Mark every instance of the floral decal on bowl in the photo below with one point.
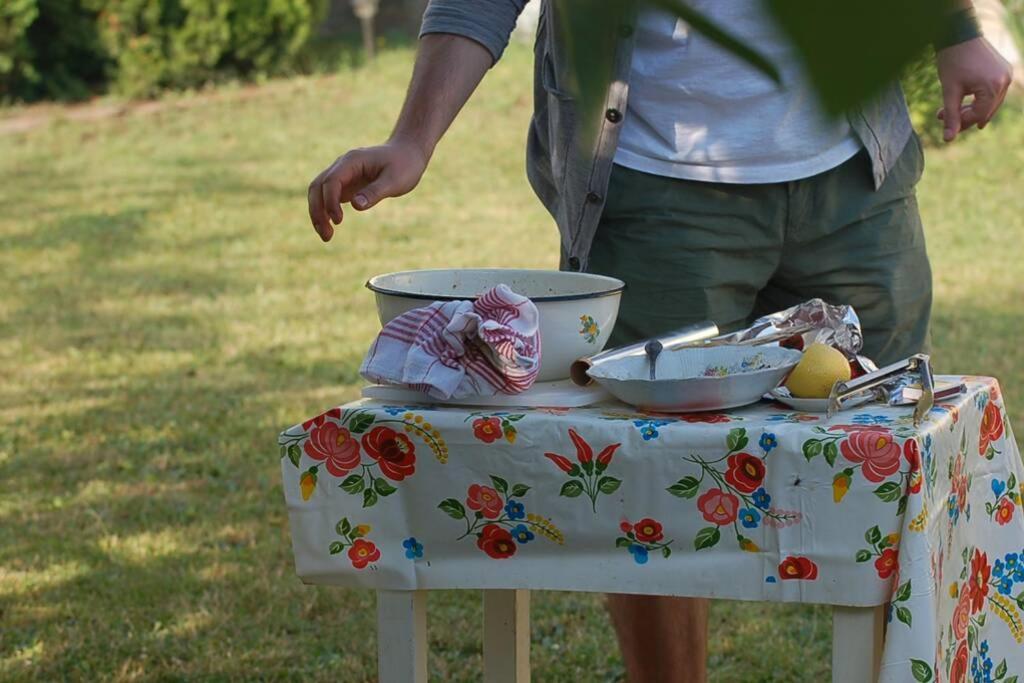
(748, 364)
(589, 329)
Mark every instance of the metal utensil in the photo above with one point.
(873, 382)
(653, 349)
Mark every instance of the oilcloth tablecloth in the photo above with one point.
(761, 503)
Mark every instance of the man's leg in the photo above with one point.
(850, 244)
(662, 639)
(687, 252)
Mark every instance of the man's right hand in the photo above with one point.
(363, 177)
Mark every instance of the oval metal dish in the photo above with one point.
(698, 378)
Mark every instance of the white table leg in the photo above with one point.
(402, 636)
(857, 634)
(506, 636)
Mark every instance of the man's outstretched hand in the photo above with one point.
(972, 68)
(363, 177)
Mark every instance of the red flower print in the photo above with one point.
(363, 552)
(1004, 513)
(718, 507)
(991, 427)
(625, 526)
(336, 446)
(798, 568)
(853, 429)
(487, 429)
(746, 472)
(648, 530)
(561, 461)
(977, 582)
(584, 453)
(887, 563)
(962, 615)
(485, 500)
(912, 452)
(710, 418)
(877, 452)
(320, 419)
(496, 542)
(958, 669)
(394, 452)
(605, 456)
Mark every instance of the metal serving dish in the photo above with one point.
(698, 378)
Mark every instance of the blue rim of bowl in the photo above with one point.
(450, 297)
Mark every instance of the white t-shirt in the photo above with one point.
(698, 112)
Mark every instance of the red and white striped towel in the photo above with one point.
(460, 348)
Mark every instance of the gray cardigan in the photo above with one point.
(571, 180)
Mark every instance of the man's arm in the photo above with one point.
(448, 69)
(970, 68)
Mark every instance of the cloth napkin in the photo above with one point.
(460, 348)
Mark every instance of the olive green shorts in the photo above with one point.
(691, 251)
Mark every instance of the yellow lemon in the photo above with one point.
(820, 368)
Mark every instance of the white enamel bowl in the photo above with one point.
(577, 310)
(692, 379)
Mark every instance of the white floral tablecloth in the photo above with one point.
(761, 503)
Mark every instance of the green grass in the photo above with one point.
(165, 309)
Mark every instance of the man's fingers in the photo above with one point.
(952, 96)
(370, 195)
(317, 215)
(331, 192)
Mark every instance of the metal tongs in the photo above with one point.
(873, 382)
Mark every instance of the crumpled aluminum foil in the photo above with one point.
(814, 320)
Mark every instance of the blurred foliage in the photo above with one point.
(851, 50)
(64, 49)
(924, 97)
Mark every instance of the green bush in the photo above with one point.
(924, 97)
(67, 48)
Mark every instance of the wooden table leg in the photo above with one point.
(857, 643)
(402, 636)
(506, 636)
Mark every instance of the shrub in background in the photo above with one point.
(65, 49)
(156, 44)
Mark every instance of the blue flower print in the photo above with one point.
(769, 579)
(514, 509)
(868, 419)
(413, 548)
(750, 518)
(1005, 585)
(984, 648)
(997, 568)
(762, 499)
(998, 487)
(394, 410)
(768, 442)
(649, 428)
(639, 553)
(522, 533)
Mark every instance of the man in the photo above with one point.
(714, 195)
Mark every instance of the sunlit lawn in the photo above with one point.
(165, 309)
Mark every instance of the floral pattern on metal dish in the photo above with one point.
(589, 329)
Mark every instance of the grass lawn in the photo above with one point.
(166, 309)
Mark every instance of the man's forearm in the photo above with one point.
(448, 69)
